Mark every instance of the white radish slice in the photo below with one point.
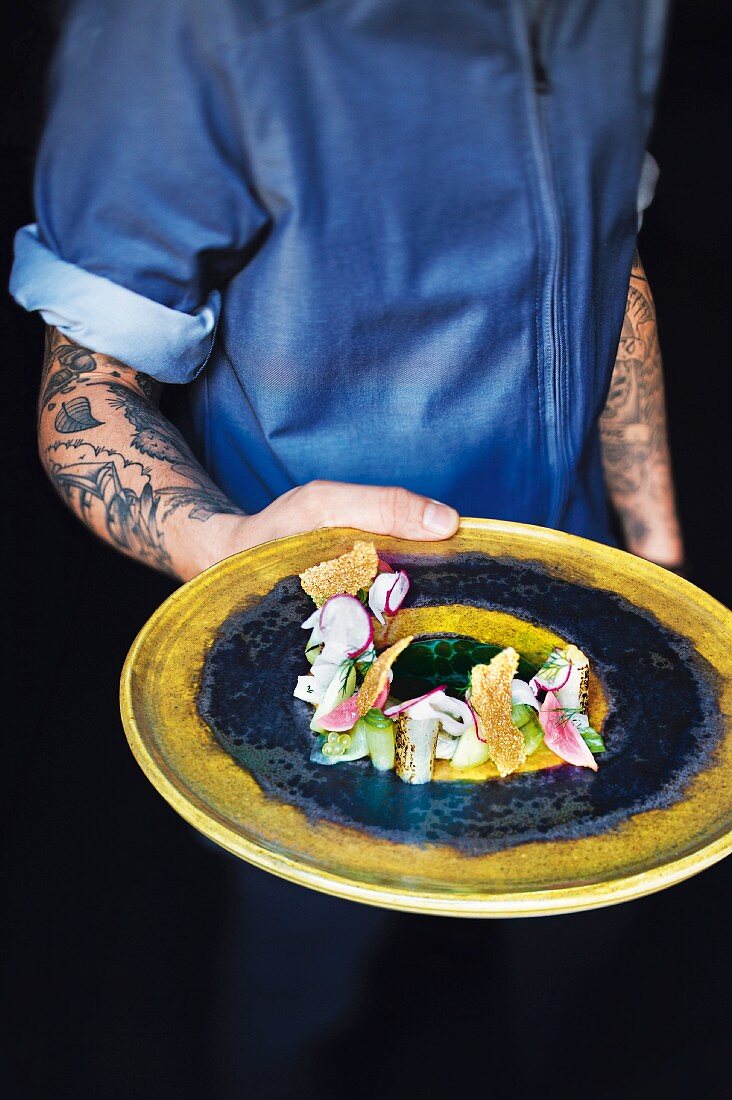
(411, 704)
(397, 593)
(553, 674)
(476, 723)
(387, 593)
(346, 624)
(522, 693)
(312, 620)
(455, 715)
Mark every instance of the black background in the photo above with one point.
(112, 942)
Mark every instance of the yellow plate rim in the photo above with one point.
(435, 903)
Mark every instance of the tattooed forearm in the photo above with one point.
(635, 452)
(112, 496)
(122, 467)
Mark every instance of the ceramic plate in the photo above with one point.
(208, 709)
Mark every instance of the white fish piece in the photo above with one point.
(415, 743)
(446, 746)
(309, 690)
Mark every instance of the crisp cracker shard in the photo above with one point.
(377, 676)
(490, 698)
(347, 574)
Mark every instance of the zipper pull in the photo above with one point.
(541, 76)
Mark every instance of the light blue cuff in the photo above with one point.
(647, 185)
(169, 345)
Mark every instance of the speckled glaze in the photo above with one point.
(206, 698)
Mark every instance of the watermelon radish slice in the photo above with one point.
(399, 708)
(341, 718)
(387, 593)
(562, 736)
(345, 715)
(553, 674)
(345, 625)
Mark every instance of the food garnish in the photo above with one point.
(348, 574)
(474, 702)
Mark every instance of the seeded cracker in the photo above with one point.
(490, 698)
(377, 676)
(346, 574)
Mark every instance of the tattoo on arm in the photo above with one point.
(636, 458)
(90, 477)
(111, 490)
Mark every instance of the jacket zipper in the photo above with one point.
(552, 350)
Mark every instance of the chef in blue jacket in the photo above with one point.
(388, 247)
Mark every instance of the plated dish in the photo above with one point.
(484, 713)
(208, 706)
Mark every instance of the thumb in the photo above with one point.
(384, 510)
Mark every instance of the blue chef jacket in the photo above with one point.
(383, 241)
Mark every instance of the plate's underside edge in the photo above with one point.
(437, 902)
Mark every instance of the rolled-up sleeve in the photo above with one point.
(143, 207)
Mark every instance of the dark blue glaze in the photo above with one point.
(662, 728)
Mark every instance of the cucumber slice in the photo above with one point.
(533, 732)
(521, 714)
(341, 687)
(470, 751)
(380, 740)
(314, 645)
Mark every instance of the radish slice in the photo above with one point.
(343, 717)
(346, 625)
(381, 699)
(553, 674)
(522, 693)
(397, 593)
(562, 736)
(387, 593)
(399, 708)
(455, 715)
(476, 723)
(312, 620)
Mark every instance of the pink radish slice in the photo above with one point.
(562, 737)
(399, 708)
(387, 593)
(381, 699)
(343, 717)
(346, 624)
(549, 682)
(396, 594)
(477, 723)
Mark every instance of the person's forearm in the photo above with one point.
(635, 452)
(122, 467)
(131, 478)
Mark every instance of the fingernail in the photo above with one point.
(438, 518)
